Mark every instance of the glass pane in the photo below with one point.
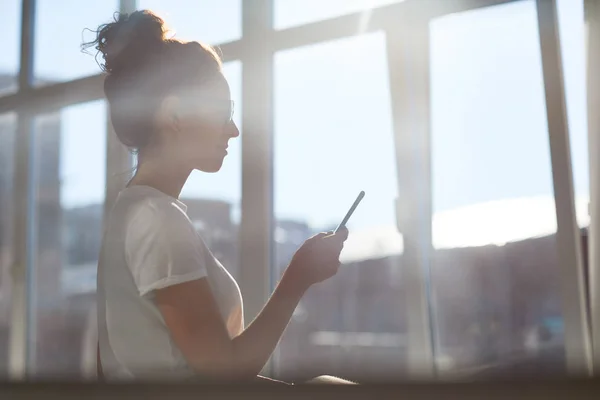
(353, 325)
(572, 36)
(214, 199)
(70, 153)
(8, 123)
(208, 21)
(290, 13)
(10, 32)
(495, 278)
(60, 29)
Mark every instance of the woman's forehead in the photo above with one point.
(216, 88)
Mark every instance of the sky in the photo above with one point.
(333, 127)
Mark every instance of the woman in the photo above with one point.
(166, 307)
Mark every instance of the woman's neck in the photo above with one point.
(163, 175)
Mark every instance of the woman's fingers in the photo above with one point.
(342, 233)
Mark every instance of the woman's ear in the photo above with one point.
(168, 114)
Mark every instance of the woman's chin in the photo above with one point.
(211, 167)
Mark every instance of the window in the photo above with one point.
(70, 153)
(8, 123)
(61, 27)
(213, 200)
(333, 138)
(208, 21)
(573, 47)
(10, 30)
(494, 286)
(289, 13)
(495, 278)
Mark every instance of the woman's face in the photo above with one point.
(204, 126)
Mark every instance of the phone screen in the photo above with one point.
(351, 210)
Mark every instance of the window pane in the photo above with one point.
(10, 32)
(290, 13)
(495, 278)
(60, 29)
(70, 153)
(353, 325)
(208, 21)
(572, 36)
(214, 199)
(8, 123)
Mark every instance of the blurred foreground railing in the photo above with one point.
(582, 389)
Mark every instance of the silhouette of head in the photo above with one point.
(166, 97)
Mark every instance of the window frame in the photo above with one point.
(592, 21)
(256, 49)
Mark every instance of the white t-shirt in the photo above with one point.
(150, 243)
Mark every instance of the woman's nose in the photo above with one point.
(232, 130)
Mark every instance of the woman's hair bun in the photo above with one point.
(129, 42)
(144, 66)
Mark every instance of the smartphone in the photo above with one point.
(350, 211)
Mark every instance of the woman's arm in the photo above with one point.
(258, 341)
(192, 316)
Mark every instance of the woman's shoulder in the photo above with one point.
(139, 207)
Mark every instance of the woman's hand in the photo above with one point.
(317, 259)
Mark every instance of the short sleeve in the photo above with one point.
(161, 246)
